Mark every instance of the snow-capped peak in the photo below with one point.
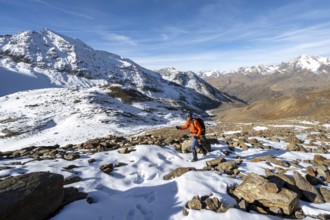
(312, 63)
(315, 64)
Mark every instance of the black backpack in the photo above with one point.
(201, 122)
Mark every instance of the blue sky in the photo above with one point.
(185, 34)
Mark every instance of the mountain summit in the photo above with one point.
(57, 90)
(65, 62)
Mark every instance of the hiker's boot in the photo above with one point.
(194, 157)
(204, 152)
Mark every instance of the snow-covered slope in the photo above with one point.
(313, 64)
(63, 115)
(65, 62)
(85, 93)
(191, 80)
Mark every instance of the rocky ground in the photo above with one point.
(279, 168)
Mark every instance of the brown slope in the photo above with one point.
(251, 88)
(307, 104)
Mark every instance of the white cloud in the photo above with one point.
(71, 12)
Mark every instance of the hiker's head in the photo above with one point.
(188, 114)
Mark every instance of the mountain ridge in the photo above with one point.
(315, 64)
(69, 62)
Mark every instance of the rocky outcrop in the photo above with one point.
(258, 191)
(37, 195)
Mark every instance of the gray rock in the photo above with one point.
(228, 167)
(71, 156)
(215, 162)
(287, 181)
(210, 204)
(107, 168)
(326, 194)
(309, 192)
(33, 195)
(72, 179)
(195, 204)
(256, 189)
(185, 212)
(224, 208)
(178, 172)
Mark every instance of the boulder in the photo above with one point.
(34, 195)
(256, 190)
(229, 167)
(71, 156)
(215, 162)
(178, 172)
(308, 191)
(319, 159)
(107, 168)
(195, 204)
(326, 194)
(295, 147)
(72, 179)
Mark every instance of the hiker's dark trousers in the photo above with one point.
(195, 144)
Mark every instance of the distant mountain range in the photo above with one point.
(299, 75)
(314, 64)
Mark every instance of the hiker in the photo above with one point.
(196, 131)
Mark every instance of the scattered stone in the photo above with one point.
(70, 167)
(309, 192)
(270, 159)
(228, 167)
(280, 170)
(215, 162)
(295, 147)
(120, 164)
(107, 168)
(72, 179)
(224, 208)
(294, 140)
(90, 200)
(185, 212)
(126, 150)
(178, 172)
(299, 214)
(254, 189)
(195, 204)
(92, 160)
(73, 156)
(216, 202)
(318, 159)
(326, 194)
(243, 205)
(210, 204)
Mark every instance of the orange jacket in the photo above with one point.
(195, 128)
